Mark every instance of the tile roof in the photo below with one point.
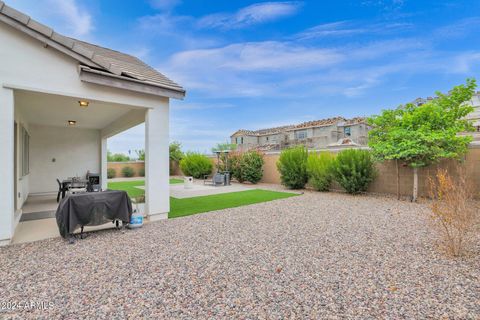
(96, 57)
(303, 125)
(319, 123)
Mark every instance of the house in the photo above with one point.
(318, 134)
(60, 100)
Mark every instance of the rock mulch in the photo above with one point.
(312, 256)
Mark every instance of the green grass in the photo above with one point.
(129, 187)
(188, 206)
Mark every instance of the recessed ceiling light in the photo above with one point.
(71, 122)
(83, 103)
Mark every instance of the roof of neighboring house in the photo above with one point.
(92, 58)
(319, 123)
(309, 124)
(262, 132)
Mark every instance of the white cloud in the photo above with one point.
(254, 14)
(257, 56)
(77, 20)
(347, 28)
(65, 16)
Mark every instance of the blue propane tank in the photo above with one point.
(136, 221)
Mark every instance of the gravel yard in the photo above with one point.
(312, 256)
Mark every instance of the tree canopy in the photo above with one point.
(176, 153)
(420, 135)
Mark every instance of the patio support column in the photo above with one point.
(103, 163)
(7, 198)
(157, 189)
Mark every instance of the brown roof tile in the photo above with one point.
(303, 125)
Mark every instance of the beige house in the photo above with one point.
(318, 134)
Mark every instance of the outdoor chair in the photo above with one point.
(216, 179)
(62, 189)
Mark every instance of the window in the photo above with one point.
(267, 138)
(299, 135)
(347, 131)
(25, 150)
(241, 140)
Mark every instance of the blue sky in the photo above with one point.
(248, 64)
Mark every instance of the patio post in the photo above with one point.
(7, 196)
(157, 189)
(104, 163)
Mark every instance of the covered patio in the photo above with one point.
(60, 100)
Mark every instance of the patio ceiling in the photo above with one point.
(56, 110)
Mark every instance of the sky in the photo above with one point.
(254, 64)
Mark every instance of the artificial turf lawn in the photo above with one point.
(129, 186)
(188, 206)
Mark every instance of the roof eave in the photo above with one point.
(111, 80)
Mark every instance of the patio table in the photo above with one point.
(92, 209)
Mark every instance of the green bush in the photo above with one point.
(320, 170)
(196, 165)
(252, 166)
(128, 172)
(354, 170)
(141, 172)
(247, 166)
(292, 166)
(111, 173)
(235, 164)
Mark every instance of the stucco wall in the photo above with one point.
(75, 152)
(118, 167)
(386, 180)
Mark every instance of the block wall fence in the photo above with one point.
(386, 179)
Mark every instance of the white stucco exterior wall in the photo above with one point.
(6, 164)
(75, 151)
(157, 188)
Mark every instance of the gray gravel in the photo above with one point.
(312, 256)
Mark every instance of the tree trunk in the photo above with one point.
(415, 184)
(398, 180)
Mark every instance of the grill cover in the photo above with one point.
(92, 209)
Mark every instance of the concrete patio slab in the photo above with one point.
(197, 190)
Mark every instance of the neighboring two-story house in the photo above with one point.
(318, 134)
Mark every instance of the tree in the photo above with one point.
(176, 153)
(117, 157)
(140, 154)
(421, 135)
(223, 157)
(224, 146)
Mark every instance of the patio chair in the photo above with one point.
(62, 189)
(216, 179)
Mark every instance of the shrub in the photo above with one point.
(128, 172)
(292, 166)
(320, 170)
(141, 172)
(111, 173)
(453, 210)
(354, 170)
(196, 165)
(235, 160)
(247, 166)
(252, 166)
